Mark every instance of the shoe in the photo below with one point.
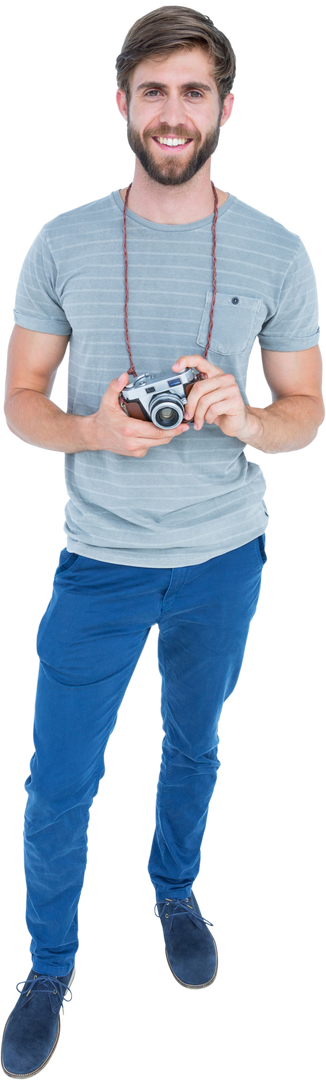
(191, 950)
(32, 1030)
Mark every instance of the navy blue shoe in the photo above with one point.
(33, 1027)
(190, 950)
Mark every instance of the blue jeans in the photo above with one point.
(89, 642)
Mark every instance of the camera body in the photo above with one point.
(159, 397)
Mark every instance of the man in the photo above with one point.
(176, 538)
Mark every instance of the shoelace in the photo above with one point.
(56, 985)
(185, 906)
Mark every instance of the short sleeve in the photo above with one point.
(37, 305)
(294, 324)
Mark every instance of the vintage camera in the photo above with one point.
(159, 397)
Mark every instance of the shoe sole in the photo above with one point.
(56, 1045)
(202, 987)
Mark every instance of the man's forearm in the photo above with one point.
(288, 424)
(37, 420)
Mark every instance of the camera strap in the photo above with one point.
(131, 370)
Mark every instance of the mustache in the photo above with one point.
(165, 134)
(178, 132)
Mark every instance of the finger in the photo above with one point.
(117, 386)
(144, 429)
(201, 395)
(166, 432)
(220, 401)
(195, 361)
(198, 394)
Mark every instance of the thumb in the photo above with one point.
(114, 389)
(117, 385)
(122, 380)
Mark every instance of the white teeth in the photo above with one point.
(172, 142)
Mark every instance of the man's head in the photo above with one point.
(174, 43)
(173, 98)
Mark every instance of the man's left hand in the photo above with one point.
(217, 400)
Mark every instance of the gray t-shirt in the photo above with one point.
(198, 496)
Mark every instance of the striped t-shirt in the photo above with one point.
(198, 496)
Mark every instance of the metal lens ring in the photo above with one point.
(166, 410)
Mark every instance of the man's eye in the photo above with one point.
(158, 92)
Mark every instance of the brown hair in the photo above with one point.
(173, 27)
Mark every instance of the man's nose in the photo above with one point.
(173, 112)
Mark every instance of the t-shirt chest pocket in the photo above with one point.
(235, 322)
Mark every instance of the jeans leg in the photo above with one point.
(201, 646)
(89, 642)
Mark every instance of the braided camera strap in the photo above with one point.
(131, 369)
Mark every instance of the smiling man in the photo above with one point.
(175, 274)
(172, 181)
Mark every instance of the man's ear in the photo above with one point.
(120, 104)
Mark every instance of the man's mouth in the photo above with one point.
(171, 143)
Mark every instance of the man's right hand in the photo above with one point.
(111, 429)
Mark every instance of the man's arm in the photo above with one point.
(33, 360)
(292, 421)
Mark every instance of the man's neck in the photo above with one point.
(141, 204)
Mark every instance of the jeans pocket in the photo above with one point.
(263, 549)
(67, 559)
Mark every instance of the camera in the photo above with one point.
(160, 397)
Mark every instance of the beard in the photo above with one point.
(172, 171)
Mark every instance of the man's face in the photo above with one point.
(174, 98)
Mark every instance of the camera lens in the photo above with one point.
(166, 414)
(167, 418)
(166, 411)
